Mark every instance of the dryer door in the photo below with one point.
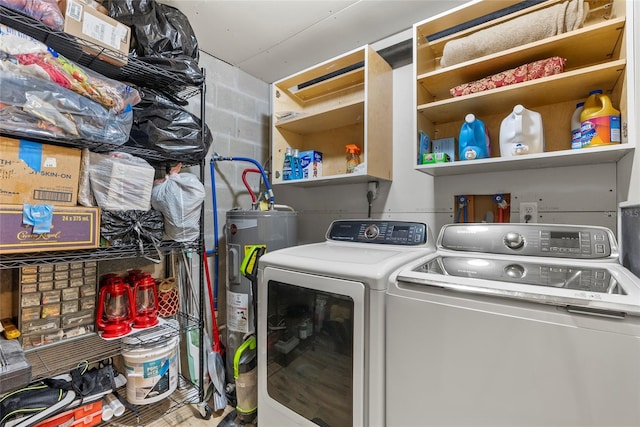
(311, 349)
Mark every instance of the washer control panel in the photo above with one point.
(548, 240)
(404, 233)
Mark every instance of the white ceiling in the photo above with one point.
(271, 39)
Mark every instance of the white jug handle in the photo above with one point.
(517, 111)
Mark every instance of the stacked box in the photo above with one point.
(57, 301)
(311, 163)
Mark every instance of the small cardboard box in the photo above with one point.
(71, 228)
(445, 145)
(311, 163)
(87, 23)
(431, 158)
(36, 173)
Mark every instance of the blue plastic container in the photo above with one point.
(474, 142)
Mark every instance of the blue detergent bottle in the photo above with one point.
(287, 165)
(474, 142)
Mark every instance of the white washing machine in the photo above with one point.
(321, 323)
(515, 325)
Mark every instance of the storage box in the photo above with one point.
(15, 373)
(97, 28)
(36, 173)
(71, 228)
(445, 145)
(431, 158)
(311, 163)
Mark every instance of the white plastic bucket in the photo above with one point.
(152, 371)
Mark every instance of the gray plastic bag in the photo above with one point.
(179, 197)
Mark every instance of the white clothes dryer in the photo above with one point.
(321, 323)
(515, 325)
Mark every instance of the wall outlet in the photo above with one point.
(528, 212)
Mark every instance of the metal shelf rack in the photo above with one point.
(54, 359)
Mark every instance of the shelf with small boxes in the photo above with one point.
(457, 74)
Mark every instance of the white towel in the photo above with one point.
(528, 28)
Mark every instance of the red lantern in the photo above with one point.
(115, 309)
(146, 302)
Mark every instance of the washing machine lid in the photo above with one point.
(372, 265)
(367, 251)
(595, 288)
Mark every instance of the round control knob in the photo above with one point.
(371, 232)
(514, 240)
(514, 271)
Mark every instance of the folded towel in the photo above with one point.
(523, 73)
(548, 22)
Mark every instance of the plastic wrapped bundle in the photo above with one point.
(45, 11)
(160, 35)
(24, 55)
(179, 197)
(161, 125)
(123, 228)
(121, 181)
(40, 108)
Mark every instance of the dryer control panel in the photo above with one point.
(404, 233)
(545, 240)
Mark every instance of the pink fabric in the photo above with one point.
(534, 70)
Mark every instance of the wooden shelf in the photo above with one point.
(564, 158)
(342, 101)
(341, 116)
(564, 87)
(602, 40)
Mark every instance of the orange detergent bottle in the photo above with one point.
(599, 121)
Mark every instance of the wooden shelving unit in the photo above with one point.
(345, 100)
(596, 58)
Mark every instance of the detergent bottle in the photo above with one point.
(521, 133)
(576, 133)
(474, 141)
(600, 122)
(353, 157)
(296, 166)
(286, 166)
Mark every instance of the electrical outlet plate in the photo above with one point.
(528, 212)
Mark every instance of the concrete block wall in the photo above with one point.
(237, 114)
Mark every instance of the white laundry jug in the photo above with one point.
(521, 132)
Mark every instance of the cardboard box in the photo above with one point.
(87, 23)
(311, 163)
(36, 173)
(445, 145)
(430, 158)
(71, 228)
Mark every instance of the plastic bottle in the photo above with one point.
(286, 166)
(521, 132)
(600, 122)
(353, 157)
(474, 141)
(296, 167)
(576, 134)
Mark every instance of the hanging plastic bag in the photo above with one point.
(179, 197)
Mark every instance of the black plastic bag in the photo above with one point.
(133, 227)
(161, 125)
(161, 35)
